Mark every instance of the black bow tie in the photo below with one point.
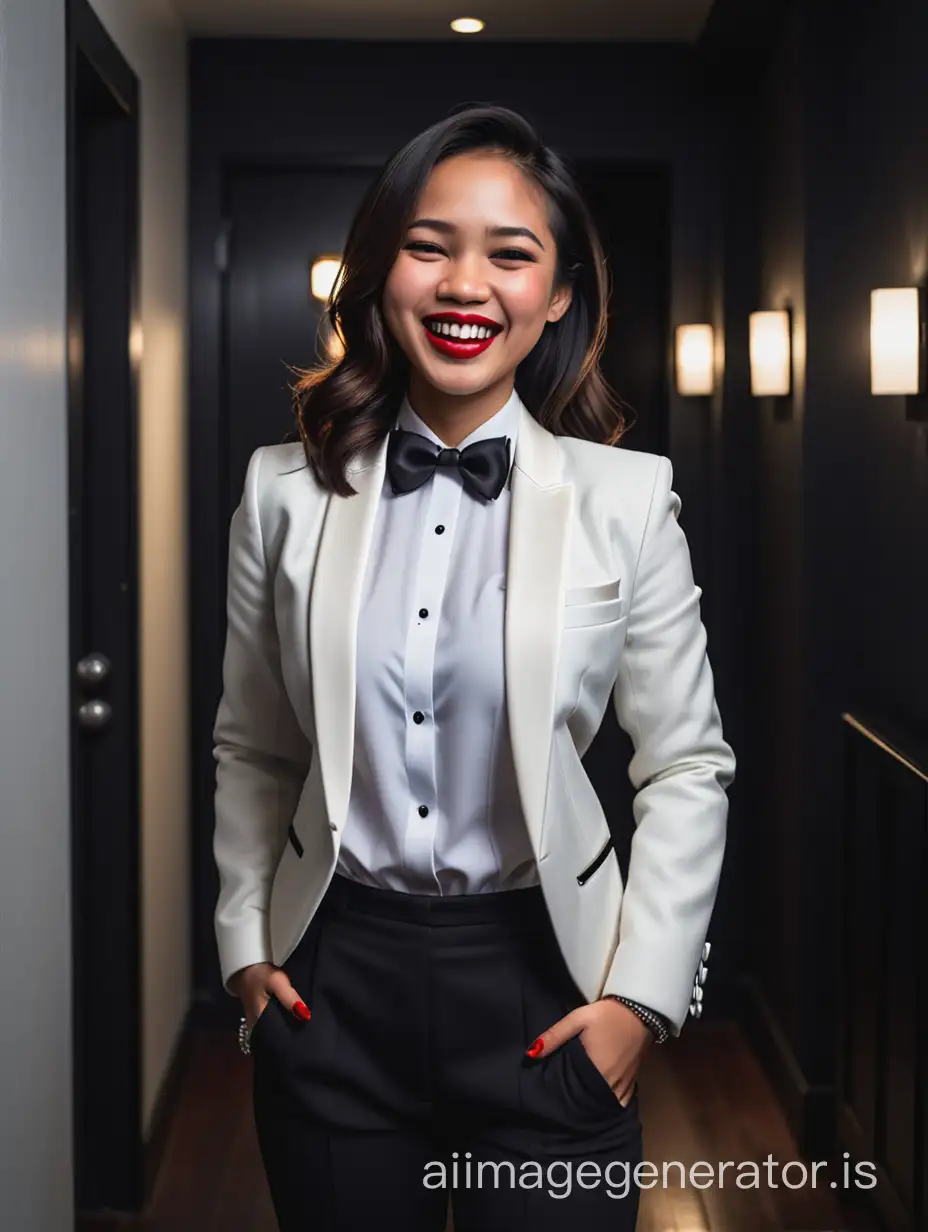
(412, 458)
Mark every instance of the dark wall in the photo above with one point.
(255, 101)
(839, 121)
(777, 929)
(867, 466)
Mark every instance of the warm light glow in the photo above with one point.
(323, 275)
(467, 25)
(895, 337)
(695, 360)
(771, 361)
(335, 346)
(136, 341)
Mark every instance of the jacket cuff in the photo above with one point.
(667, 979)
(241, 946)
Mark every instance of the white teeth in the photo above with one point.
(463, 332)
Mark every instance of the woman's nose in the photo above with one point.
(464, 281)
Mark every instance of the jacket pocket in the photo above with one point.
(600, 593)
(596, 862)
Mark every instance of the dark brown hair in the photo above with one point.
(347, 404)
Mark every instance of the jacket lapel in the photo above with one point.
(539, 520)
(540, 505)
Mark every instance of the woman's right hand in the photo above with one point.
(256, 984)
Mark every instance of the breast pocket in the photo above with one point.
(593, 605)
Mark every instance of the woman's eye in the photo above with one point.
(514, 254)
(423, 246)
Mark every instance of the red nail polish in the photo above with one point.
(301, 1011)
(536, 1048)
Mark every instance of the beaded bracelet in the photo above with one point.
(656, 1022)
(244, 1041)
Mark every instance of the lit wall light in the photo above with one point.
(771, 354)
(322, 276)
(467, 25)
(694, 356)
(897, 341)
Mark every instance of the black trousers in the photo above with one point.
(410, 1082)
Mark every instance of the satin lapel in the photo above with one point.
(539, 521)
(334, 606)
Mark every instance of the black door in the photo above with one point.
(102, 248)
(276, 222)
(630, 204)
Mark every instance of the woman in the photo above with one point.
(433, 594)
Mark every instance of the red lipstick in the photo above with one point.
(457, 347)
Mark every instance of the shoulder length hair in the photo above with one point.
(349, 403)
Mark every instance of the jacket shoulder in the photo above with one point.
(280, 469)
(280, 486)
(628, 472)
(278, 460)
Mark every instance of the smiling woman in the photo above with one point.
(406, 834)
(471, 262)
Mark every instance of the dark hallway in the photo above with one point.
(756, 172)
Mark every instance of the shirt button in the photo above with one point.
(439, 530)
(423, 611)
(418, 716)
(423, 810)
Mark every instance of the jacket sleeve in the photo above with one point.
(681, 768)
(262, 755)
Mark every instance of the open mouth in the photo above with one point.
(460, 337)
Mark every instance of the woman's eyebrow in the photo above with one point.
(439, 224)
(515, 231)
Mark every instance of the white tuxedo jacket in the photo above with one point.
(600, 603)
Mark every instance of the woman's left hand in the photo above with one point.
(614, 1037)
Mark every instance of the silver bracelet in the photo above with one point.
(244, 1039)
(649, 1017)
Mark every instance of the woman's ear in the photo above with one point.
(560, 302)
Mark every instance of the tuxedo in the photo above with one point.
(580, 585)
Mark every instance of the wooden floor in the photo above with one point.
(702, 1097)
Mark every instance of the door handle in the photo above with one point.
(94, 714)
(93, 668)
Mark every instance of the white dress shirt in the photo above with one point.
(434, 806)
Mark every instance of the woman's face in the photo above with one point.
(472, 287)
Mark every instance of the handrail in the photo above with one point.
(891, 745)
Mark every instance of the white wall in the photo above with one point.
(36, 1150)
(152, 40)
(35, 887)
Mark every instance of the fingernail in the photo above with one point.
(301, 1011)
(536, 1048)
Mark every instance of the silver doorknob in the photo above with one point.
(94, 714)
(93, 668)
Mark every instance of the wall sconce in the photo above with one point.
(694, 360)
(897, 342)
(771, 354)
(323, 274)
